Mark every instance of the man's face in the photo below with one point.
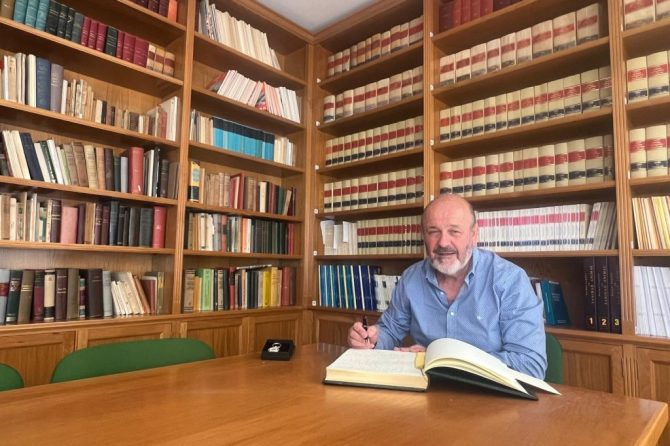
(449, 237)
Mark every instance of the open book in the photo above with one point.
(444, 358)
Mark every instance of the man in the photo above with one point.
(461, 292)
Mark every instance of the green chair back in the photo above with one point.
(108, 359)
(554, 360)
(9, 378)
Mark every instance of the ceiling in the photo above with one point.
(315, 15)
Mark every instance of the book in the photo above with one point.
(446, 358)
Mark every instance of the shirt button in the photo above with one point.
(479, 318)
(452, 313)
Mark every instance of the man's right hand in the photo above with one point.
(358, 335)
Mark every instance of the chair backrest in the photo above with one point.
(9, 378)
(554, 360)
(108, 359)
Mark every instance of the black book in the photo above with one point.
(104, 230)
(113, 222)
(77, 25)
(62, 20)
(93, 292)
(146, 227)
(116, 166)
(31, 156)
(134, 227)
(69, 23)
(61, 294)
(52, 17)
(13, 297)
(81, 222)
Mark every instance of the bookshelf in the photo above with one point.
(134, 87)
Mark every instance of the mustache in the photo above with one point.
(444, 251)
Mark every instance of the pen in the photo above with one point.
(365, 327)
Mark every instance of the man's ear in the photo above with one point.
(475, 234)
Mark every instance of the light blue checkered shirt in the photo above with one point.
(495, 310)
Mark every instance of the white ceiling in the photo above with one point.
(315, 15)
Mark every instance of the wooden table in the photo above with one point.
(244, 400)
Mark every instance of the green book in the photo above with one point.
(76, 27)
(31, 13)
(42, 13)
(110, 42)
(13, 296)
(52, 17)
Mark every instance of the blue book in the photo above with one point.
(42, 13)
(31, 156)
(31, 13)
(372, 270)
(357, 289)
(341, 290)
(43, 83)
(555, 309)
(20, 7)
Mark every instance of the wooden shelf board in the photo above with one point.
(348, 311)
(407, 108)
(11, 183)
(86, 248)
(646, 39)
(589, 55)
(244, 213)
(221, 106)
(649, 112)
(560, 129)
(78, 129)
(563, 195)
(509, 19)
(237, 160)
(75, 57)
(375, 212)
(650, 186)
(651, 253)
(223, 57)
(375, 164)
(241, 255)
(396, 62)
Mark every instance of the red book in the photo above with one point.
(466, 12)
(475, 9)
(486, 7)
(93, 34)
(102, 37)
(135, 170)
(128, 47)
(172, 10)
(457, 12)
(85, 28)
(68, 227)
(38, 296)
(140, 52)
(158, 233)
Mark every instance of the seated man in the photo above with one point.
(461, 292)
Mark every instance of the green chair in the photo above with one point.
(9, 378)
(108, 359)
(554, 360)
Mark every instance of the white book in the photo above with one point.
(658, 82)
(42, 162)
(55, 160)
(542, 38)
(662, 9)
(590, 90)
(572, 97)
(20, 153)
(540, 102)
(508, 50)
(524, 46)
(546, 166)
(478, 60)
(656, 150)
(493, 55)
(636, 153)
(576, 162)
(555, 105)
(447, 69)
(564, 31)
(588, 23)
(638, 13)
(594, 150)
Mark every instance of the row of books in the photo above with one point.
(241, 191)
(31, 218)
(238, 288)
(375, 46)
(36, 82)
(389, 138)
(647, 76)
(648, 151)
(137, 171)
(237, 137)
(580, 161)
(637, 13)
(279, 101)
(385, 189)
(568, 227)
(394, 235)
(166, 8)
(235, 33)
(555, 99)
(652, 310)
(651, 216)
(452, 13)
(375, 94)
(234, 234)
(550, 293)
(547, 37)
(349, 286)
(70, 294)
(602, 294)
(64, 21)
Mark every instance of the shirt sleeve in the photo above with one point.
(521, 325)
(395, 322)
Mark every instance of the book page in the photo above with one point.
(377, 361)
(535, 382)
(461, 355)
